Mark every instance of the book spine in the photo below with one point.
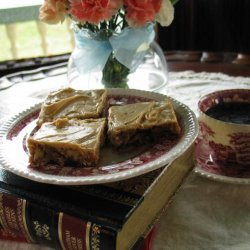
(13, 222)
(10, 236)
(42, 224)
(26, 221)
(77, 234)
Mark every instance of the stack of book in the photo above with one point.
(117, 215)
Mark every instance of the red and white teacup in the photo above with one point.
(229, 138)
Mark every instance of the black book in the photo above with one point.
(104, 216)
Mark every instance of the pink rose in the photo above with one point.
(53, 11)
(94, 11)
(139, 12)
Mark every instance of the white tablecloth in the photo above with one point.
(204, 214)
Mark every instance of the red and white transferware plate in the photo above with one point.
(207, 166)
(114, 164)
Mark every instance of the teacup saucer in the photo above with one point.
(206, 166)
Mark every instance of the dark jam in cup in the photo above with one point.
(234, 112)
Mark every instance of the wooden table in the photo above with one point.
(229, 63)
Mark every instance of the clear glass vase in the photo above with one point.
(150, 72)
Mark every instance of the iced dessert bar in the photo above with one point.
(67, 142)
(70, 103)
(134, 122)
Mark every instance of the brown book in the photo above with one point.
(105, 216)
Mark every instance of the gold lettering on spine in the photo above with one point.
(95, 237)
(68, 242)
(73, 242)
(68, 239)
(79, 244)
(2, 217)
(11, 219)
(60, 230)
(88, 226)
(42, 230)
(23, 217)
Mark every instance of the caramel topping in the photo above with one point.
(61, 122)
(140, 115)
(71, 103)
(128, 114)
(83, 133)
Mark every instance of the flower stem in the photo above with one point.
(114, 73)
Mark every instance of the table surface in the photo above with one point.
(204, 214)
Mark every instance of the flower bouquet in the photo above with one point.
(112, 36)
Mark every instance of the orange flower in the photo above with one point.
(53, 11)
(139, 12)
(94, 11)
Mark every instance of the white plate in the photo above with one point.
(114, 165)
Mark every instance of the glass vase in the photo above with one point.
(147, 69)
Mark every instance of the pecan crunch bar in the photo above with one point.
(132, 122)
(67, 142)
(72, 104)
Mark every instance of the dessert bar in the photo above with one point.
(134, 122)
(67, 142)
(70, 103)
